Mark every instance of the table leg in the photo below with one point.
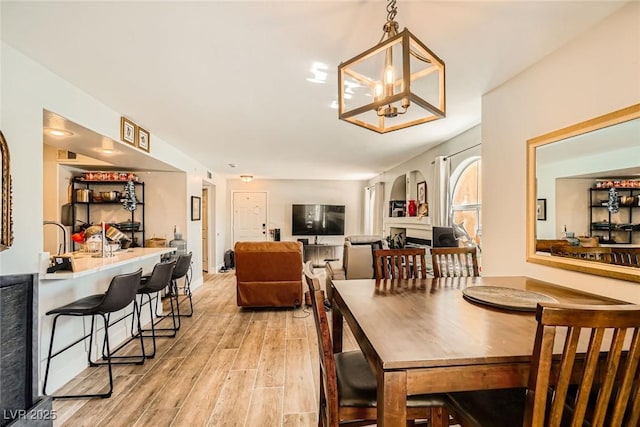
(392, 399)
(336, 326)
(439, 417)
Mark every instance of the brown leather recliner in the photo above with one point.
(268, 274)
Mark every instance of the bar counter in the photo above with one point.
(86, 264)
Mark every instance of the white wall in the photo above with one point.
(162, 213)
(595, 74)
(281, 194)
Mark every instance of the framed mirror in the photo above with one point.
(587, 176)
(6, 233)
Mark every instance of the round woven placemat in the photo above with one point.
(509, 298)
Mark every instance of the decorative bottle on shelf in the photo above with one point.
(412, 208)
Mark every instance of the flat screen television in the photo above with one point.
(317, 220)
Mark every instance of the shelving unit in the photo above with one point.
(90, 206)
(629, 213)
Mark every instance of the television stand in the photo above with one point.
(318, 254)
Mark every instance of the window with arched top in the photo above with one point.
(466, 197)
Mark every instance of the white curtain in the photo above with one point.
(440, 210)
(374, 209)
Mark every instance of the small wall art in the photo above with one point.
(127, 131)
(541, 210)
(144, 139)
(422, 192)
(196, 208)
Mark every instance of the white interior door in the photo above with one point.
(249, 217)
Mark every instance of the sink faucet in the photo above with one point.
(64, 233)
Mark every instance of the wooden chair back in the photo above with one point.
(454, 262)
(629, 257)
(608, 329)
(600, 254)
(329, 409)
(400, 263)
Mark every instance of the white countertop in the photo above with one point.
(85, 264)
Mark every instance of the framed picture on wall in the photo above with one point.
(196, 208)
(422, 192)
(127, 131)
(144, 139)
(541, 210)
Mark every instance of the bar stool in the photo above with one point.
(159, 279)
(121, 292)
(182, 270)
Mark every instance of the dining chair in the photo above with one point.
(348, 388)
(454, 262)
(599, 254)
(579, 391)
(400, 263)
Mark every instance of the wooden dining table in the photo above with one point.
(423, 336)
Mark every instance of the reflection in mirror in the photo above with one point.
(6, 234)
(587, 178)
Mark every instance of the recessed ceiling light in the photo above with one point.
(59, 132)
(319, 71)
(233, 165)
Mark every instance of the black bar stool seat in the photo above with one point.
(83, 307)
(121, 292)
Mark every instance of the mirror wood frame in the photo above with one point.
(6, 233)
(590, 267)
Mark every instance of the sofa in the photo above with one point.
(357, 259)
(268, 274)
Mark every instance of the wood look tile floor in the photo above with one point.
(227, 367)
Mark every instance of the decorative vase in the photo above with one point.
(412, 209)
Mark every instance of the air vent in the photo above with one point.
(209, 175)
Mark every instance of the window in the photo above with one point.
(466, 200)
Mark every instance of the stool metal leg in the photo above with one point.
(127, 360)
(51, 356)
(153, 329)
(140, 334)
(187, 293)
(174, 318)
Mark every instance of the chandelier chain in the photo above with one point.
(392, 10)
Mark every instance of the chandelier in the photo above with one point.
(395, 84)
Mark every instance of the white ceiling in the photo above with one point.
(226, 81)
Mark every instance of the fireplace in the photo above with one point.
(20, 403)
